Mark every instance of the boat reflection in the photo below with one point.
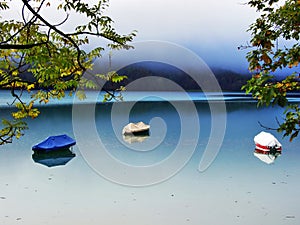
(53, 158)
(267, 157)
(135, 138)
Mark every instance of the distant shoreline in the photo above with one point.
(94, 97)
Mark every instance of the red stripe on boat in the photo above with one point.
(261, 151)
(266, 148)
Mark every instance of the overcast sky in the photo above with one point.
(212, 29)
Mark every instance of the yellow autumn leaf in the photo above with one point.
(279, 85)
(29, 87)
(30, 105)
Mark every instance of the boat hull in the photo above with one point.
(54, 143)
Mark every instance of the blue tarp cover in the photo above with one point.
(55, 143)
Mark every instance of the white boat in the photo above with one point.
(266, 143)
(139, 128)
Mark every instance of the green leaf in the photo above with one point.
(80, 95)
(117, 78)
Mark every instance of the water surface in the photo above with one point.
(236, 189)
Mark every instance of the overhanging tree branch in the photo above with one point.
(22, 46)
(54, 58)
(57, 31)
(275, 21)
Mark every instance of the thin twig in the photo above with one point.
(265, 127)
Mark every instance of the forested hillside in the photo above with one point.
(228, 80)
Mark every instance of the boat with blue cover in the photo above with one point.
(55, 143)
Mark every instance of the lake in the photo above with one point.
(196, 166)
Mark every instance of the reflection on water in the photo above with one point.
(53, 158)
(267, 158)
(135, 138)
(238, 187)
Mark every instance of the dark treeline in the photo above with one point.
(228, 80)
(160, 72)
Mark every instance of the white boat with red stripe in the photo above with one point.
(266, 143)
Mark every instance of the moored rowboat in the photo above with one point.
(266, 143)
(54, 143)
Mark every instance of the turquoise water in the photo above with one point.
(237, 188)
(6, 99)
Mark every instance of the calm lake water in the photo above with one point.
(237, 188)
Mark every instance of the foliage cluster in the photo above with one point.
(279, 22)
(56, 58)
